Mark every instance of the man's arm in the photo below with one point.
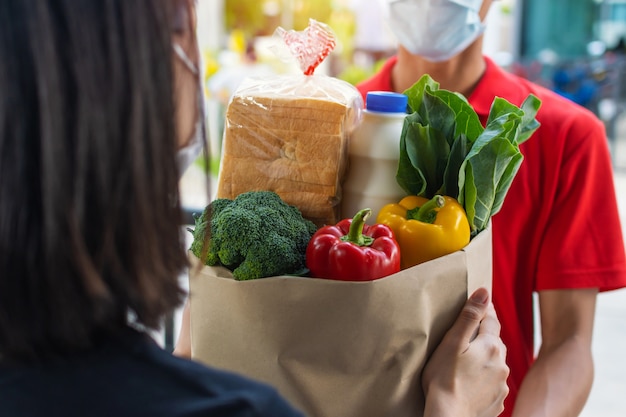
(559, 382)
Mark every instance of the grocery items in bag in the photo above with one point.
(373, 151)
(369, 340)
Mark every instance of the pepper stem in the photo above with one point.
(355, 234)
(427, 213)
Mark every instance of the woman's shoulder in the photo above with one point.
(130, 374)
(210, 387)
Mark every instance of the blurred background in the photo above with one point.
(574, 47)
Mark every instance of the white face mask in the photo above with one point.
(190, 152)
(186, 155)
(435, 29)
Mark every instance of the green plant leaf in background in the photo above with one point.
(212, 167)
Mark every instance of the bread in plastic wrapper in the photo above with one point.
(289, 134)
(336, 348)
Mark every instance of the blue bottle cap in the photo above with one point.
(387, 102)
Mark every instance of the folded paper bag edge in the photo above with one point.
(474, 248)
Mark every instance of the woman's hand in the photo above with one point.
(466, 375)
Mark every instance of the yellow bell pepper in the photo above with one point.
(426, 229)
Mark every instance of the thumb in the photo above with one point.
(466, 325)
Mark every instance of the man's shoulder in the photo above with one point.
(559, 117)
(515, 88)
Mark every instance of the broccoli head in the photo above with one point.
(255, 235)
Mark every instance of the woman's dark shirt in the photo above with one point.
(130, 375)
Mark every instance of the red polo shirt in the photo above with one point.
(559, 226)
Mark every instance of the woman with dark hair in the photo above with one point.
(98, 117)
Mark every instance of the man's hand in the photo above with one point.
(466, 375)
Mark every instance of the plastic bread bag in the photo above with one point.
(289, 133)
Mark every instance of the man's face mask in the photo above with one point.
(188, 153)
(437, 30)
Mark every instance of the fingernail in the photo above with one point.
(480, 296)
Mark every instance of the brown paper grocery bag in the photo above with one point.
(334, 348)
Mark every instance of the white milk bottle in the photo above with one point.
(374, 149)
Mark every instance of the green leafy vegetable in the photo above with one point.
(444, 148)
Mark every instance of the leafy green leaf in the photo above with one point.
(435, 112)
(488, 173)
(465, 118)
(460, 148)
(530, 106)
(408, 177)
(416, 91)
(501, 107)
(423, 155)
(445, 149)
(506, 126)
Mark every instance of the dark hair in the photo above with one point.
(90, 220)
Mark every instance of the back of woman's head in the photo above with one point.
(89, 212)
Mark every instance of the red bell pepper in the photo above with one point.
(353, 251)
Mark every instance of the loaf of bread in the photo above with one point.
(289, 134)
